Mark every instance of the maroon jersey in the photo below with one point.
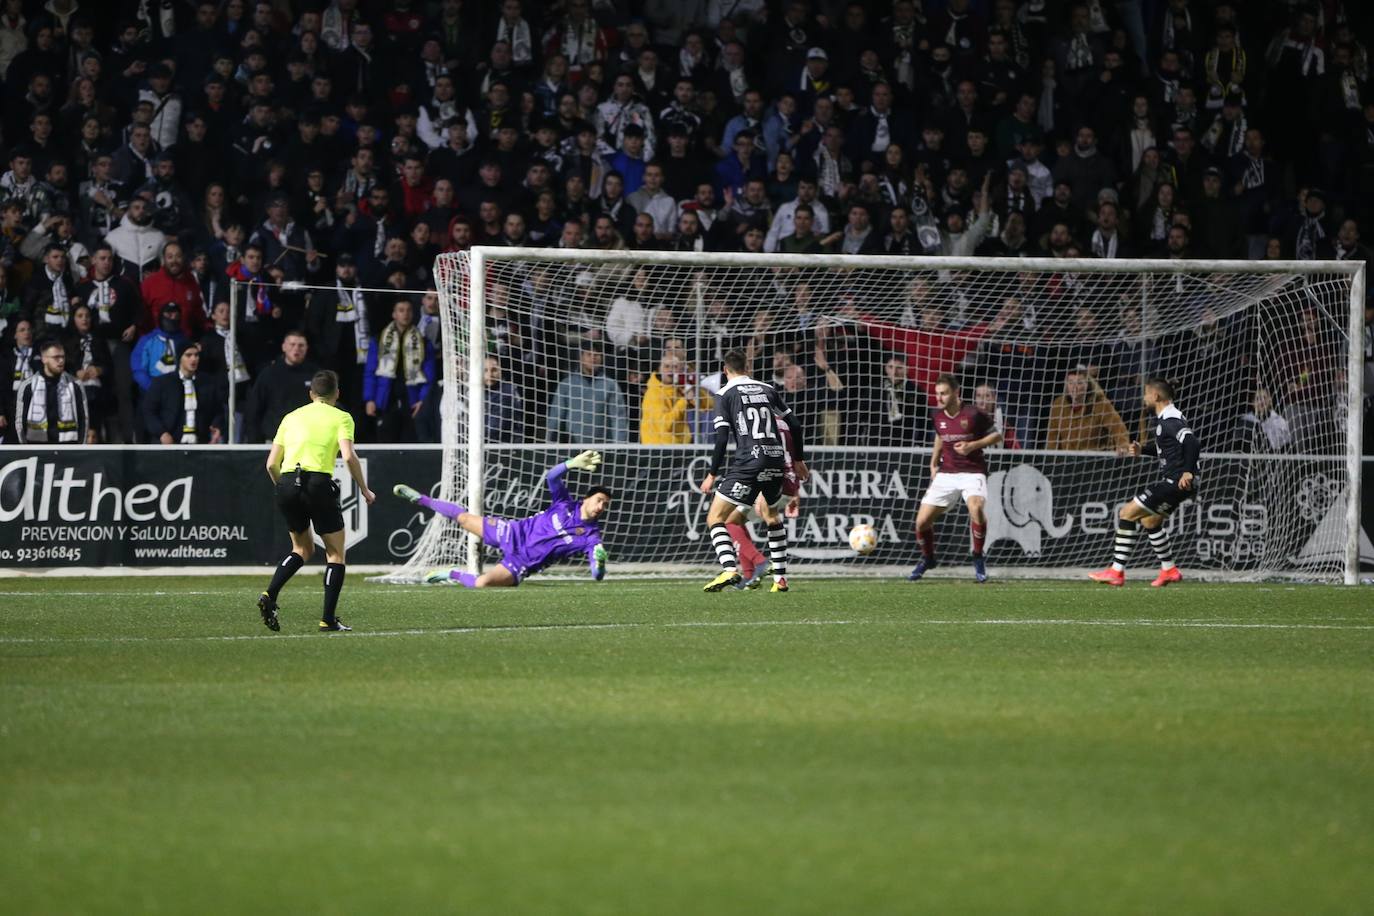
(965, 426)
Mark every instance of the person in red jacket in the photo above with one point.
(173, 282)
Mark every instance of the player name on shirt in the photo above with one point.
(965, 426)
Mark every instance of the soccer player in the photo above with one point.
(1177, 448)
(527, 545)
(746, 411)
(752, 564)
(957, 468)
(306, 443)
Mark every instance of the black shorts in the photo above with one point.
(742, 484)
(1163, 496)
(314, 502)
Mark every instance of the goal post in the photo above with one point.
(549, 351)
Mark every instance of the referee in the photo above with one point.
(306, 444)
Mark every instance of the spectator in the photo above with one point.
(1083, 419)
(172, 282)
(136, 241)
(802, 239)
(399, 375)
(155, 354)
(88, 359)
(899, 415)
(339, 328)
(18, 364)
(50, 291)
(185, 407)
(652, 200)
(279, 389)
(783, 215)
(587, 405)
(1262, 428)
(50, 405)
(671, 394)
(503, 408)
(115, 306)
(985, 400)
(1085, 169)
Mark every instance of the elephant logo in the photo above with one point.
(1020, 506)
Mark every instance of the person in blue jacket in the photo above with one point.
(398, 376)
(155, 354)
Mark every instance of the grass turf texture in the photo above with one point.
(851, 747)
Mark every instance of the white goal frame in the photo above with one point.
(480, 257)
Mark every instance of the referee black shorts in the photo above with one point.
(314, 500)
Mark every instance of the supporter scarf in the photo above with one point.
(87, 345)
(1219, 86)
(827, 172)
(36, 420)
(102, 297)
(1170, 33)
(232, 356)
(403, 350)
(60, 308)
(1254, 173)
(1350, 90)
(882, 132)
(1226, 139)
(1168, 88)
(1159, 225)
(23, 366)
(1044, 114)
(1309, 234)
(188, 407)
(1104, 247)
(259, 304)
(904, 37)
(1080, 52)
(519, 38)
(351, 310)
(1309, 61)
(687, 63)
(578, 43)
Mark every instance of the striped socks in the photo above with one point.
(1159, 540)
(725, 547)
(777, 549)
(1126, 534)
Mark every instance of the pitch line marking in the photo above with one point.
(697, 624)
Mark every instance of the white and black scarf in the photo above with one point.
(1309, 234)
(87, 344)
(23, 366)
(60, 308)
(578, 42)
(1080, 55)
(518, 35)
(1254, 172)
(232, 358)
(36, 419)
(352, 310)
(102, 297)
(188, 407)
(1104, 247)
(882, 131)
(401, 354)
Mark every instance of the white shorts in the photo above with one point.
(946, 488)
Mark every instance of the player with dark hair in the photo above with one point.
(1178, 448)
(568, 527)
(307, 441)
(752, 564)
(746, 411)
(957, 468)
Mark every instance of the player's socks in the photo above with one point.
(465, 579)
(977, 535)
(333, 584)
(777, 551)
(288, 567)
(926, 537)
(1126, 534)
(1159, 540)
(746, 553)
(446, 509)
(725, 547)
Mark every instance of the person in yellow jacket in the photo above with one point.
(669, 398)
(1083, 418)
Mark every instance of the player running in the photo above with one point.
(958, 467)
(527, 545)
(1177, 447)
(746, 411)
(753, 566)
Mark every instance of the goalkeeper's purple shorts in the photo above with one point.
(506, 536)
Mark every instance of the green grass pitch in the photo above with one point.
(640, 747)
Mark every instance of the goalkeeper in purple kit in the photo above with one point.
(568, 527)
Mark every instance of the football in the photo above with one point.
(863, 539)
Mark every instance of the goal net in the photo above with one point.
(549, 352)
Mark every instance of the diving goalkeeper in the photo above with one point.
(527, 545)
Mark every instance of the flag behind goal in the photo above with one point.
(621, 351)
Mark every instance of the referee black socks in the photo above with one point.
(333, 584)
(288, 567)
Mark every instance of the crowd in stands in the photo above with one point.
(320, 153)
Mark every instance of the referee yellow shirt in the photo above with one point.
(310, 436)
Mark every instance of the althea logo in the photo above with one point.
(36, 492)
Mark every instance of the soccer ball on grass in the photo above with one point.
(863, 539)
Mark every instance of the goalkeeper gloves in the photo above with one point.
(587, 461)
(599, 558)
